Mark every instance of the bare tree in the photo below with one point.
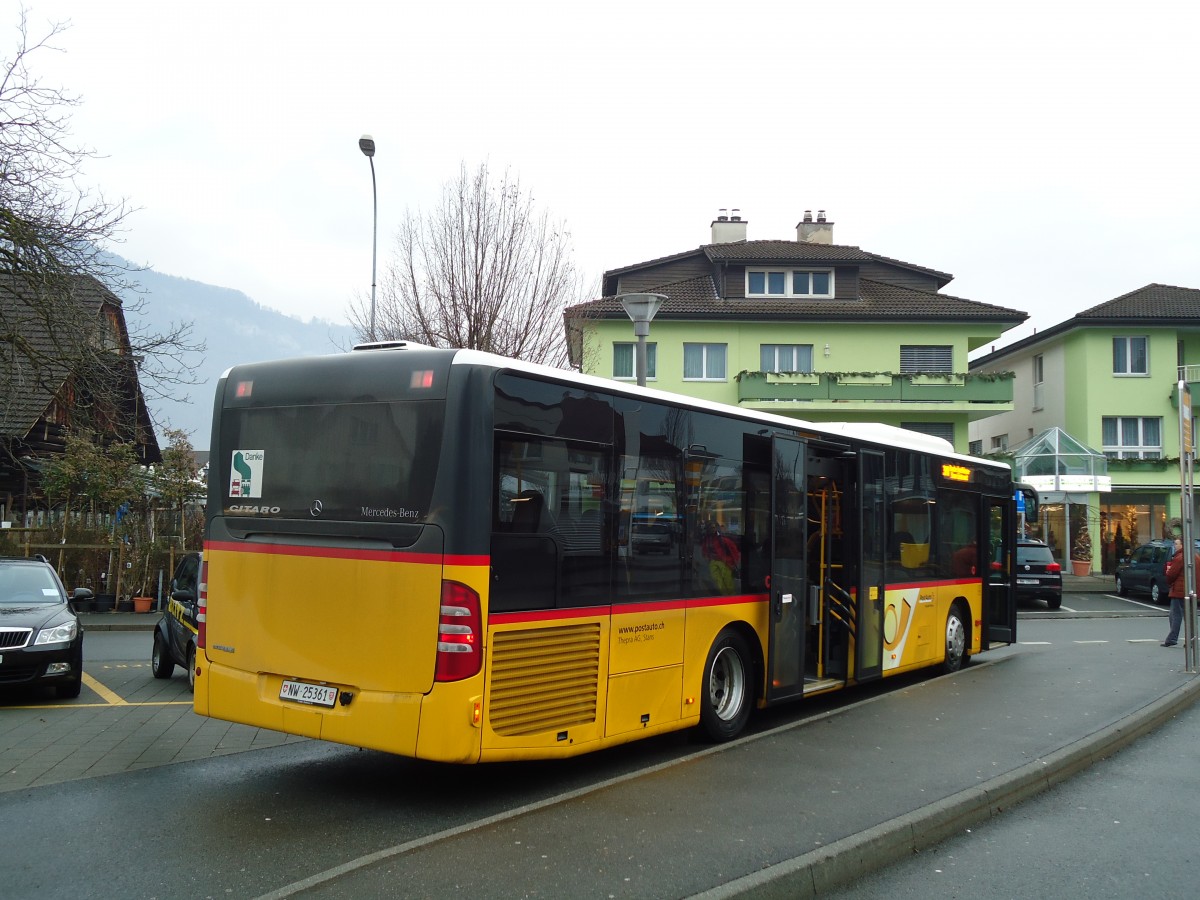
(486, 270)
(52, 257)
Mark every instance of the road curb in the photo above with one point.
(820, 871)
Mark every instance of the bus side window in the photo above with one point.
(525, 552)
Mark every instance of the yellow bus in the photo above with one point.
(453, 556)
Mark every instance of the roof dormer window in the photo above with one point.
(814, 283)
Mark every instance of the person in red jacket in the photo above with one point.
(1174, 573)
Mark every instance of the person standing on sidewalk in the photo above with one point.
(1175, 573)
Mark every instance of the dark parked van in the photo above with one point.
(1144, 572)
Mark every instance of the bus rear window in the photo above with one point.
(369, 462)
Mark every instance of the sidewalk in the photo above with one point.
(1088, 584)
(117, 621)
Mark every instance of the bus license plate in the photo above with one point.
(313, 694)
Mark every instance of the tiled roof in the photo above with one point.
(782, 251)
(1154, 301)
(29, 392)
(696, 299)
(684, 298)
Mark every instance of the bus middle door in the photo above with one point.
(789, 586)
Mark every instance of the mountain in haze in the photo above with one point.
(235, 329)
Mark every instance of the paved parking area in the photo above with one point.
(123, 719)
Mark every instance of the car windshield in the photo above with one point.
(26, 585)
(1033, 554)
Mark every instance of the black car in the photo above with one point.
(175, 633)
(41, 638)
(1145, 571)
(1039, 577)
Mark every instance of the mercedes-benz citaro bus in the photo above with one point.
(432, 553)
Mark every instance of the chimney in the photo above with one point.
(818, 232)
(728, 228)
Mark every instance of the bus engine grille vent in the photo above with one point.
(544, 679)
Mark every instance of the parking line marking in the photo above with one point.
(1136, 602)
(1089, 642)
(1034, 643)
(113, 699)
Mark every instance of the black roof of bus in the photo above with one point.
(376, 376)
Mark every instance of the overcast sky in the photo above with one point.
(1044, 153)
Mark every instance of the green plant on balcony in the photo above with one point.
(1136, 464)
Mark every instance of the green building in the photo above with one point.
(1107, 377)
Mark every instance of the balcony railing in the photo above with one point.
(817, 387)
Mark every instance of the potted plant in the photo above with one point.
(1081, 552)
(142, 604)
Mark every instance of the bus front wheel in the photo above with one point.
(956, 641)
(725, 700)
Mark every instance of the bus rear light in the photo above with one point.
(202, 606)
(459, 647)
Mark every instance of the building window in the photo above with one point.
(943, 430)
(786, 358)
(1039, 376)
(1132, 437)
(703, 362)
(975, 448)
(999, 443)
(624, 356)
(789, 282)
(918, 358)
(1129, 356)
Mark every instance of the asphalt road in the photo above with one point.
(659, 818)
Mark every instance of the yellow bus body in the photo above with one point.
(554, 683)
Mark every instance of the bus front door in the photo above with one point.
(1001, 603)
(788, 585)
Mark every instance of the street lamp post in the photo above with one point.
(367, 145)
(641, 308)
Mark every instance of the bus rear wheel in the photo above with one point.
(956, 641)
(725, 700)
